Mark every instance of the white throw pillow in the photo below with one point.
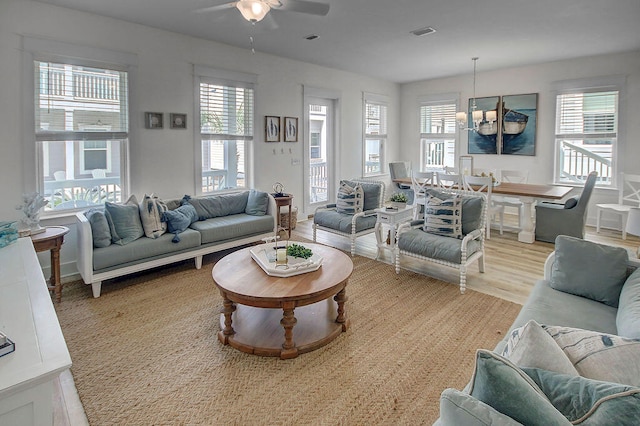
(151, 209)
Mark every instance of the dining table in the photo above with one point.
(528, 193)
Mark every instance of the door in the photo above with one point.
(319, 152)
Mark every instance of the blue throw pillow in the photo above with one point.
(124, 221)
(443, 216)
(100, 231)
(350, 199)
(257, 203)
(178, 220)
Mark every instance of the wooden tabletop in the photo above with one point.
(50, 233)
(553, 192)
(244, 281)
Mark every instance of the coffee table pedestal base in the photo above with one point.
(262, 331)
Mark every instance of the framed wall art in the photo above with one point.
(271, 128)
(291, 129)
(518, 130)
(153, 120)
(485, 139)
(178, 121)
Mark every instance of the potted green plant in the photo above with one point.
(399, 200)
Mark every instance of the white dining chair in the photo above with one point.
(449, 180)
(512, 176)
(628, 197)
(484, 184)
(420, 182)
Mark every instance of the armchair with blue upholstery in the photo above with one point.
(434, 239)
(352, 225)
(553, 219)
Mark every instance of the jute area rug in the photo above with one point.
(146, 352)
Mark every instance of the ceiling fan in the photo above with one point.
(255, 10)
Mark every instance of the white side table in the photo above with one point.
(393, 218)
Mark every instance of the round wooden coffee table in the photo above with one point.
(260, 311)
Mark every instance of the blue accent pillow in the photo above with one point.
(257, 203)
(571, 203)
(588, 269)
(350, 199)
(100, 231)
(178, 220)
(124, 221)
(443, 216)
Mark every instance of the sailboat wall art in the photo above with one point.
(514, 131)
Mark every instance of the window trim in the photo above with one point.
(226, 78)
(46, 50)
(591, 85)
(381, 100)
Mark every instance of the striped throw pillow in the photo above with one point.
(350, 199)
(443, 216)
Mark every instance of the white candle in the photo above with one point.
(281, 255)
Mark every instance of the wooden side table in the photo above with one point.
(52, 239)
(284, 200)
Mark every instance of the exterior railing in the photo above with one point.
(86, 84)
(578, 162)
(318, 181)
(81, 192)
(214, 180)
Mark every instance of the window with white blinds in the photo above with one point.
(375, 133)
(226, 129)
(437, 133)
(586, 135)
(81, 132)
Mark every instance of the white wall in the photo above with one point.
(535, 79)
(162, 161)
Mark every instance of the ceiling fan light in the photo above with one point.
(253, 10)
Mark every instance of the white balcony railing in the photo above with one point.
(578, 162)
(73, 193)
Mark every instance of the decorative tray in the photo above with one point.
(294, 266)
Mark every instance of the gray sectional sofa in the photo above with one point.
(572, 354)
(113, 241)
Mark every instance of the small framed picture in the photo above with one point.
(153, 120)
(291, 129)
(271, 128)
(178, 121)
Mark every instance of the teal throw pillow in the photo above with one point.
(100, 231)
(628, 316)
(178, 220)
(443, 216)
(460, 408)
(350, 199)
(588, 269)
(589, 402)
(571, 202)
(257, 203)
(502, 385)
(124, 221)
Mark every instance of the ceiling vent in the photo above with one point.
(312, 37)
(423, 31)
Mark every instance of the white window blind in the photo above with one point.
(438, 118)
(586, 135)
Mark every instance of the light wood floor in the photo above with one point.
(511, 269)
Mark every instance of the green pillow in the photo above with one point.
(257, 203)
(502, 385)
(589, 402)
(124, 221)
(628, 316)
(587, 269)
(100, 231)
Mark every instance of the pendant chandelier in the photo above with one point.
(478, 116)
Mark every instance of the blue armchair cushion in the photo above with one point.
(588, 269)
(443, 216)
(342, 222)
(350, 199)
(124, 221)
(628, 315)
(433, 246)
(257, 203)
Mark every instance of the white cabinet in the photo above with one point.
(27, 317)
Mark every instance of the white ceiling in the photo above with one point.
(372, 37)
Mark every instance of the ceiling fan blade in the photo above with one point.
(223, 6)
(303, 6)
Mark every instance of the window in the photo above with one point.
(375, 133)
(81, 132)
(437, 133)
(226, 130)
(586, 135)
